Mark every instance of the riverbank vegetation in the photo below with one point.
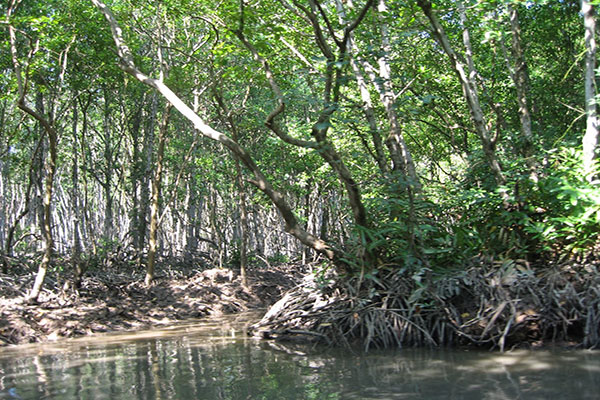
(432, 165)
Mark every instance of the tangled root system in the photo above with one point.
(489, 304)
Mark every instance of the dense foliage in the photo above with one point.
(407, 137)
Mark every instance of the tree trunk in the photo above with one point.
(321, 144)
(191, 212)
(365, 95)
(26, 207)
(3, 222)
(469, 88)
(52, 135)
(147, 151)
(156, 189)
(48, 243)
(136, 175)
(106, 182)
(401, 156)
(520, 77)
(590, 138)
(76, 256)
(243, 223)
(85, 211)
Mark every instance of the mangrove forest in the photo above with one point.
(372, 173)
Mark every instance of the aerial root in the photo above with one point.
(483, 305)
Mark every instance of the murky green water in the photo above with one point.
(214, 360)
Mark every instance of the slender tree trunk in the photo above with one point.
(469, 88)
(324, 229)
(308, 207)
(26, 207)
(147, 152)
(401, 155)
(367, 106)
(382, 81)
(39, 170)
(228, 118)
(136, 176)
(86, 222)
(3, 222)
(48, 246)
(76, 257)
(243, 223)
(243, 213)
(5, 192)
(107, 183)
(590, 138)
(365, 95)
(321, 144)
(155, 200)
(520, 77)
(52, 136)
(192, 213)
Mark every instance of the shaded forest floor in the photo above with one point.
(117, 300)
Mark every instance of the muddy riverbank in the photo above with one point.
(118, 300)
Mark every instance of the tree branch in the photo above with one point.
(292, 225)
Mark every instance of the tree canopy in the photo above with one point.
(407, 137)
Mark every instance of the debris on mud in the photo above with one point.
(118, 300)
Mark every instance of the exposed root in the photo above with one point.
(496, 305)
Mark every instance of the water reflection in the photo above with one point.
(214, 360)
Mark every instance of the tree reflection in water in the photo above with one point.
(214, 360)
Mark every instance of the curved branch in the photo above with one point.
(292, 225)
(316, 4)
(270, 121)
(321, 42)
(359, 19)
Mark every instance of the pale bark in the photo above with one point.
(8, 244)
(469, 88)
(365, 94)
(136, 175)
(397, 146)
(192, 216)
(243, 224)
(382, 82)
(520, 78)
(591, 136)
(48, 247)
(367, 106)
(146, 168)
(260, 181)
(85, 212)
(107, 180)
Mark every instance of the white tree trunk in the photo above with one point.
(590, 139)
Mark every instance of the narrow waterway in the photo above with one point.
(214, 359)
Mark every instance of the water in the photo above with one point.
(213, 359)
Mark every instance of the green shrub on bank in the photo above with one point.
(555, 216)
(569, 207)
